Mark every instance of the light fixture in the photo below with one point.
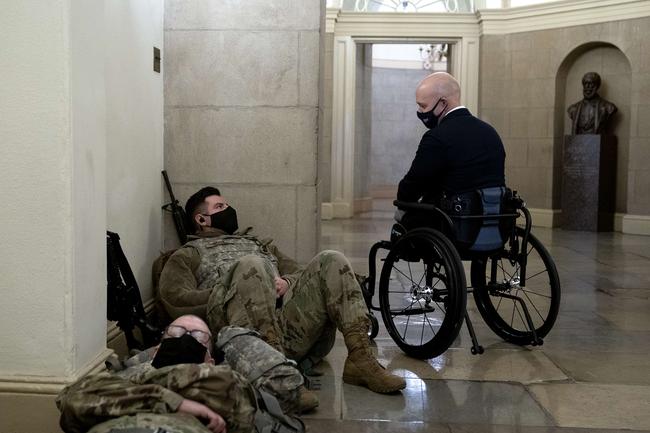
(434, 55)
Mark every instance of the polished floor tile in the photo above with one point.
(596, 405)
(373, 426)
(604, 367)
(501, 365)
(592, 373)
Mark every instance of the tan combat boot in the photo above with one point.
(361, 367)
(307, 400)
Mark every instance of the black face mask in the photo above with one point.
(181, 350)
(225, 220)
(429, 119)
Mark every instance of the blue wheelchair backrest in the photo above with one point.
(471, 232)
(489, 236)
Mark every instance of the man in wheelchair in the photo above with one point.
(459, 164)
(235, 278)
(453, 206)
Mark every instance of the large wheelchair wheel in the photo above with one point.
(422, 293)
(496, 280)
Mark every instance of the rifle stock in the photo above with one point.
(124, 303)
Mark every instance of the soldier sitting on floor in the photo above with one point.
(235, 278)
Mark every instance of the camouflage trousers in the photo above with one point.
(325, 297)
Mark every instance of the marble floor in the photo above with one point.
(591, 375)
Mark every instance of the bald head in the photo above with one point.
(439, 86)
(193, 323)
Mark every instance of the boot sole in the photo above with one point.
(353, 380)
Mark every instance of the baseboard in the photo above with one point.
(27, 403)
(326, 211)
(623, 223)
(362, 205)
(383, 191)
(618, 222)
(635, 224)
(545, 217)
(50, 385)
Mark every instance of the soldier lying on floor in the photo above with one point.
(235, 278)
(176, 388)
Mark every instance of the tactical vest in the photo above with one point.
(219, 254)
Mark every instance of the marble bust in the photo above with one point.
(590, 115)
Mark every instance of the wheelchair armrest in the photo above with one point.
(426, 207)
(409, 205)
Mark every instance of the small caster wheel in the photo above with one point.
(374, 327)
(480, 350)
(540, 342)
(473, 350)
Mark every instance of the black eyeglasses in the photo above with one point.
(176, 331)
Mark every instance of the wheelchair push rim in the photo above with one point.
(422, 293)
(498, 276)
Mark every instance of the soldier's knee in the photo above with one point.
(332, 257)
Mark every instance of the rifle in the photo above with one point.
(177, 211)
(124, 304)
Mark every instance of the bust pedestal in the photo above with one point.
(589, 182)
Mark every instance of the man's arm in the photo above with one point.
(178, 286)
(289, 269)
(425, 169)
(95, 399)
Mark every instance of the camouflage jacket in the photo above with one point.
(141, 389)
(183, 287)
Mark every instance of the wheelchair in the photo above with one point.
(422, 286)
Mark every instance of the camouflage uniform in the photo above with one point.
(170, 423)
(230, 281)
(143, 396)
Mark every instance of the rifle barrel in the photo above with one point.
(169, 186)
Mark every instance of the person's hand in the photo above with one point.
(281, 286)
(215, 423)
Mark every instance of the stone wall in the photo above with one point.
(241, 111)
(396, 130)
(520, 73)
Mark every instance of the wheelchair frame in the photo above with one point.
(517, 252)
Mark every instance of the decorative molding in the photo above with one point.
(331, 14)
(559, 14)
(541, 16)
(50, 385)
(343, 123)
(423, 27)
(545, 217)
